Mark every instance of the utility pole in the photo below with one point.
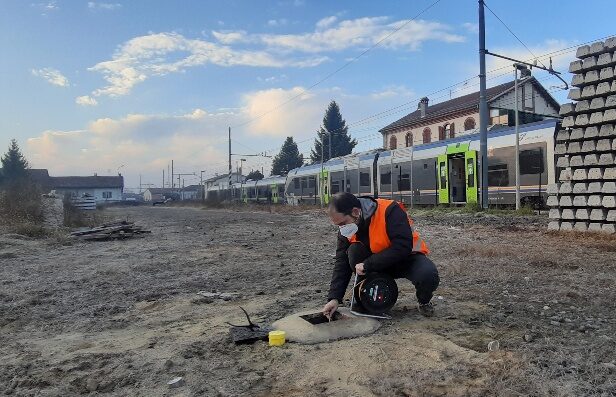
(330, 144)
(517, 140)
(321, 176)
(172, 176)
(230, 166)
(483, 108)
(163, 186)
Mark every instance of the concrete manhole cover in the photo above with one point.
(311, 327)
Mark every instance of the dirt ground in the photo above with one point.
(123, 318)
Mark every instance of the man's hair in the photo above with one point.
(344, 203)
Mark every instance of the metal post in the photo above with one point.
(391, 173)
(321, 187)
(517, 142)
(483, 107)
(163, 186)
(412, 159)
(172, 176)
(330, 145)
(344, 181)
(358, 176)
(230, 166)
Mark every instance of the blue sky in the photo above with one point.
(105, 86)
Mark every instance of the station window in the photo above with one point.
(531, 162)
(296, 183)
(304, 183)
(498, 175)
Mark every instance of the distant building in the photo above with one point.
(160, 194)
(192, 192)
(222, 181)
(102, 188)
(459, 116)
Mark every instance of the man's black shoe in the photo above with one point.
(426, 309)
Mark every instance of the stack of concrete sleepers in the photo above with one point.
(584, 198)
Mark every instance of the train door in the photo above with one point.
(442, 176)
(324, 186)
(245, 194)
(457, 178)
(274, 190)
(470, 157)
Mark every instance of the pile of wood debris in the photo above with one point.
(110, 231)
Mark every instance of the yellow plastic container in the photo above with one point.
(277, 338)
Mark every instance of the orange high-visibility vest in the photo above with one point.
(377, 232)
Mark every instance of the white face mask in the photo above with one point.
(348, 230)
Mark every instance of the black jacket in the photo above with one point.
(400, 234)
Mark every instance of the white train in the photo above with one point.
(443, 172)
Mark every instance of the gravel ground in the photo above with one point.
(124, 317)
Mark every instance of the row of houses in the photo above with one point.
(192, 192)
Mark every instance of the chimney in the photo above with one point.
(423, 106)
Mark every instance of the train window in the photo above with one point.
(404, 182)
(531, 162)
(498, 175)
(443, 175)
(312, 182)
(296, 183)
(335, 187)
(470, 172)
(386, 178)
(425, 166)
(364, 179)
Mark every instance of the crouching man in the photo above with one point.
(376, 235)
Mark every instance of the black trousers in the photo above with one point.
(417, 268)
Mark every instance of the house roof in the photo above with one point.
(85, 182)
(461, 104)
(222, 176)
(160, 190)
(191, 188)
(39, 176)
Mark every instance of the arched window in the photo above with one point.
(393, 142)
(442, 132)
(408, 140)
(427, 135)
(469, 124)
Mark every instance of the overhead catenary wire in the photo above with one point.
(513, 34)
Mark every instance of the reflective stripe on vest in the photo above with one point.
(377, 232)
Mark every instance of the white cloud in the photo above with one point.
(333, 35)
(471, 27)
(86, 100)
(159, 54)
(46, 7)
(326, 22)
(52, 76)
(197, 139)
(103, 6)
(400, 92)
(277, 22)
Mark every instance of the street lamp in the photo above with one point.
(524, 72)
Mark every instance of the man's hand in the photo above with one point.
(359, 269)
(330, 308)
